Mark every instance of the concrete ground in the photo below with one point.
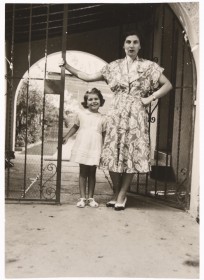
(147, 240)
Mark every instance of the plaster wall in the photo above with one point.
(188, 14)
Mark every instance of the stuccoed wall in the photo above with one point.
(188, 14)
(192, 10)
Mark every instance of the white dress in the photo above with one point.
(88, 144)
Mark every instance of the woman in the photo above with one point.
(126, 149)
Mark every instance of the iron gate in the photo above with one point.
(39, 125)
(170, 119)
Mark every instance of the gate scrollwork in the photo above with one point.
(49, 186)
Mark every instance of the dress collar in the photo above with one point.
(130, 60)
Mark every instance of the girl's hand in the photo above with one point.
(147, 100)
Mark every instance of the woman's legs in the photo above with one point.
(116, 180)
(83, 175)
(121, 183)
(126, 180)
(91, 181)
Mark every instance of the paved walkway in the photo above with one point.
(147, 240)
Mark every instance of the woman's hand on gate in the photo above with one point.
(64, 140)
(61, 62)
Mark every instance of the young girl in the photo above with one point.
(87, 148)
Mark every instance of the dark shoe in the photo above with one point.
(120, 206)
(111, 203)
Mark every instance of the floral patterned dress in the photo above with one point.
(126, 146)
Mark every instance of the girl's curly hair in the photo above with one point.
(93, 91)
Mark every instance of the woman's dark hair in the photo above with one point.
(93, 91)
(130, 33)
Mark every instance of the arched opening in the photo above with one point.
(74, 89)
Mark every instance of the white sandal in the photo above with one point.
(92, 202)
(81, 203)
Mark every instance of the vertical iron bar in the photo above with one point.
(157, 145)
(173, 72)
(43, 111)
(180, 112)
(159, 104)
(150, 106)
(9, 96)
(61, 112)
(27, 103)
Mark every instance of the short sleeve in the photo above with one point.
(105, 72)
(155, 73)
(111, 73)
(77, 120)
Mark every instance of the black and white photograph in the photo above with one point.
(101, 140)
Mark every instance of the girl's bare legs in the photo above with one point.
(83, 175)
(91, 181)
(91, 186)
(126, 180)
(116, 180)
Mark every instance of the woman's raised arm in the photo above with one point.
(82, 75)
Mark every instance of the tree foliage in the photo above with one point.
(29, 114)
